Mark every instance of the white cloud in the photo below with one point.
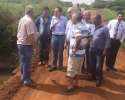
(80, 1)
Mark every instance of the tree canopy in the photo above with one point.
(111, 4)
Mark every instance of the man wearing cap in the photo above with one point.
(27, 37)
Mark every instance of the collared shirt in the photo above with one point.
(121, 29)
(101, 38)
(78, 30)
(68, 29)
(26, 27)
(43, 27)
(60, 28)
(90, 26)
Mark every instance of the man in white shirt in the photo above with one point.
(69, 23)
(117, 35)
(91, 27)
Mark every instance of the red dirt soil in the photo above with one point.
(50, 85)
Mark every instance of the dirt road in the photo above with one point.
(50, 85)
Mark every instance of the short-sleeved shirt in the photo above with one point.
(26, 27)
(69, 28)
(79, 30)
(43, 27)
(90, 26)
(121, 29)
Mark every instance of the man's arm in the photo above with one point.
(109, 25)
(32, 40)
(123, 35)
(66, 34)
(107, 41)
(37, 22)
(31, 32)
(52, 25)
(78, 41)
(89, 40)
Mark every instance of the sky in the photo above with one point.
(80, 1)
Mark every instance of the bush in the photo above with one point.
(10, 14)
(118, 8)
(7, 28)
(110, 14)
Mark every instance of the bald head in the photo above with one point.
(87, 12)
(69, 12)
(87, 15)
(70, 9)
(96, 19)
(98, 16)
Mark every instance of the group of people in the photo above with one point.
(85, 37)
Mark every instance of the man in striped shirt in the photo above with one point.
(78, 42)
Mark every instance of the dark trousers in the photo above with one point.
(44, 46)
(96, 64)
(68, 47)
(86, 58)
(112, 53)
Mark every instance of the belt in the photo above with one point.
(114, 39)
(81, 37)
(58, 35)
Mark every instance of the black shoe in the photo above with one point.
(98, 83)
(52, 69)
(76, 86)
(107, 68)
(91, 78)
(62, 69)
(112, 68)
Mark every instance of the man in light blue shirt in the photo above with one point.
(90, 25)
(58, 27)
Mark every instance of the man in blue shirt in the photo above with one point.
(44, 33)
(58, 27)
(98, 49)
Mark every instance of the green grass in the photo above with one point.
(15, 5)
(123, 45)
(109, 14)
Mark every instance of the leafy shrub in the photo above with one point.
(118, 8)
(10, 14)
